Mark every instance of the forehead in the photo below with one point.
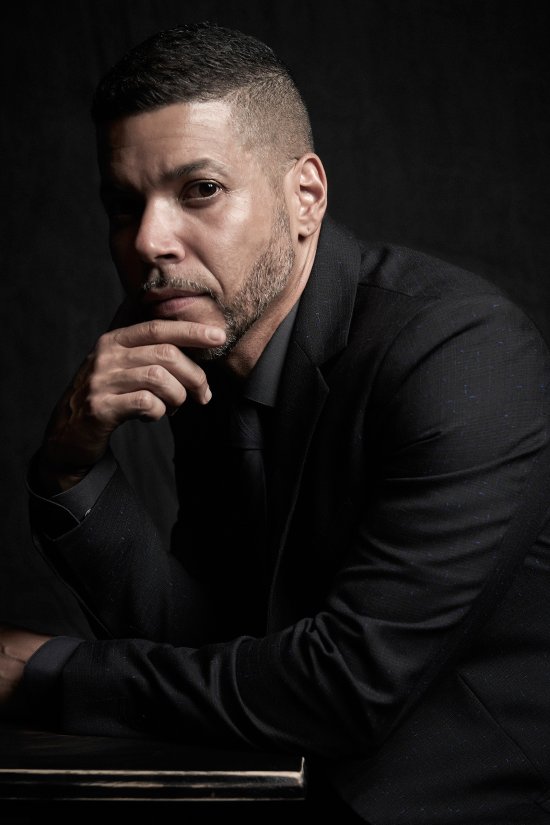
(177, 135)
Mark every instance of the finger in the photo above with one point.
(20, 643)
(179, 333)
(152, 377)
(169, 359)
(142, 404)
(162, 369)
(113, 357)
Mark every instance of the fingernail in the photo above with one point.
(215, 334)
(207, 395)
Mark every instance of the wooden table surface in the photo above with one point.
(92, 776)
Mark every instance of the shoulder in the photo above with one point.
(414, 296)
(393, 306)
(417, 275)
(416, 314)
(399, 279)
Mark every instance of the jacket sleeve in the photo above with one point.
(462, 412)
(116, 564)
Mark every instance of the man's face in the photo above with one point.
(198, 232)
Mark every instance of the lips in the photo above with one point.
(168, 302)
(153, 296)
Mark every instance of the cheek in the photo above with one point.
(237, 246)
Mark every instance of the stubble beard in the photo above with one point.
(267, 278)
(265, 281)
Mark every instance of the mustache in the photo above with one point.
(162, 281)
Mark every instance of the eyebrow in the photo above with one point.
(187, 169)
(109, 185)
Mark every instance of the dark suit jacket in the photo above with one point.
(413, 404)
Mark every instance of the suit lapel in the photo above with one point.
(320, 331)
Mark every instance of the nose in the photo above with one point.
(159, 234)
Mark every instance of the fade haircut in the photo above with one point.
(204, 61)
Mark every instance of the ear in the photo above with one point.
(308, 194)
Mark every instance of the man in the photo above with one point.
(376, 597)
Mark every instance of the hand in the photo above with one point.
(16, 648)
(136, 371)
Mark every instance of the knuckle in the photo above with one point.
(94, 384)
(198, 379)
(180, 395)
(104, 343)
(101, 361)
(156, 374)
(144, 401)
(154, 328)
(196, 329)
(93, 408)
(167, 353)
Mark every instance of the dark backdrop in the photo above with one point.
(431, 117)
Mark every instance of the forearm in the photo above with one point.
(129, 585)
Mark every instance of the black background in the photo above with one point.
(432, 119)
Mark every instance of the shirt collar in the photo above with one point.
(262, 383)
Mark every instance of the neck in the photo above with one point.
(243, 357)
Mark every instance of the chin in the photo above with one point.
(207, 354)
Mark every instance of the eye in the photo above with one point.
(201, 190)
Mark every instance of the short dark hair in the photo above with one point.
(204, 61)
